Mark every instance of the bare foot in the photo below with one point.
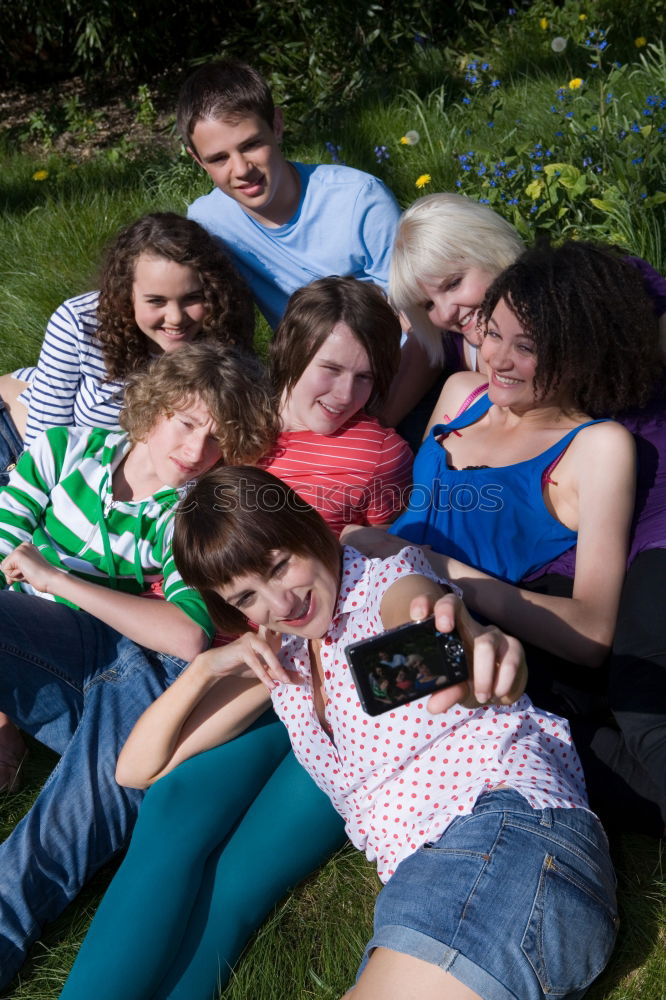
(12, 754)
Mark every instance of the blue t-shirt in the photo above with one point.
(345, 224)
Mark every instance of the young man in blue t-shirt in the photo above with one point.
(284, 223)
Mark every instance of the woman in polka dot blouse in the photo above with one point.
(497, 877)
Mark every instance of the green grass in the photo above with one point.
(51, 235)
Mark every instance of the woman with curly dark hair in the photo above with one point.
(164, 282)
(529, 501)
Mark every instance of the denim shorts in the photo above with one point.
(516, 903)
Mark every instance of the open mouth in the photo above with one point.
(302, 614)
(254, 188)
(330, 411)
(505, 380)
(468, 322)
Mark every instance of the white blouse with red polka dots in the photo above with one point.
(399, 779)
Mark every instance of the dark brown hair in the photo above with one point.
(222, 91)
(232, 522)
(229, 308)
(230, 382)
(311, 314)
(594, 327)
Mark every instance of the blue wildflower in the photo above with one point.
(637, 160)
(481, 169)
(491, 124)
(495, 83)
(381, 153)
(484, 201)
(644, 195)
(420, 39)
(569, 114)
(511, 11)
(512, 201)
(458, 183)
(466, 100)
(587, 161)
(559, 134)
(511, 173)
(334, 151)
(485, 66)
(651, 101)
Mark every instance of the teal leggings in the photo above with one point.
(217, 844)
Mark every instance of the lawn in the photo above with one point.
(554, 117)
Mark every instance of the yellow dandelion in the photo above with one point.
(543, 23)
(582, 17)
(423, 180)
(640, 42)
(576, 83)
(40, 175)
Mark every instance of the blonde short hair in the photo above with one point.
(437, 235)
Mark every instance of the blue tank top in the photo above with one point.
(493, 519)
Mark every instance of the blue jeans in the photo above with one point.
(11, 444)
(512, 901)
(77, 686)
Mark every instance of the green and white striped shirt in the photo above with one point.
(60, 498)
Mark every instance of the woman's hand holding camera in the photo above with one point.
(496, 662)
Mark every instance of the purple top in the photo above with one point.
(648, 426)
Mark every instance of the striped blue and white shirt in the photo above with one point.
(68, 387)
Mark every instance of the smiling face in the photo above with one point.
(297, 595)
(336, 384)
(169, 303)
(453, 303)
(244, 160)
(179, 447)
(510, 357)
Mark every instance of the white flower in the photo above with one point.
(558, 44)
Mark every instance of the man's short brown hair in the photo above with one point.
(224, 91)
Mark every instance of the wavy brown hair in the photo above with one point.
(229, 308)
(311, 314)
(231, 383)
(232, 522)
(594, 328)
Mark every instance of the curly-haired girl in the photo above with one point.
(164, 282)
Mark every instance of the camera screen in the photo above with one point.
(405, 663)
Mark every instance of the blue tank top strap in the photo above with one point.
(546, 457)
(477, 410)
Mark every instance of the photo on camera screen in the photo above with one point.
(405, 664)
